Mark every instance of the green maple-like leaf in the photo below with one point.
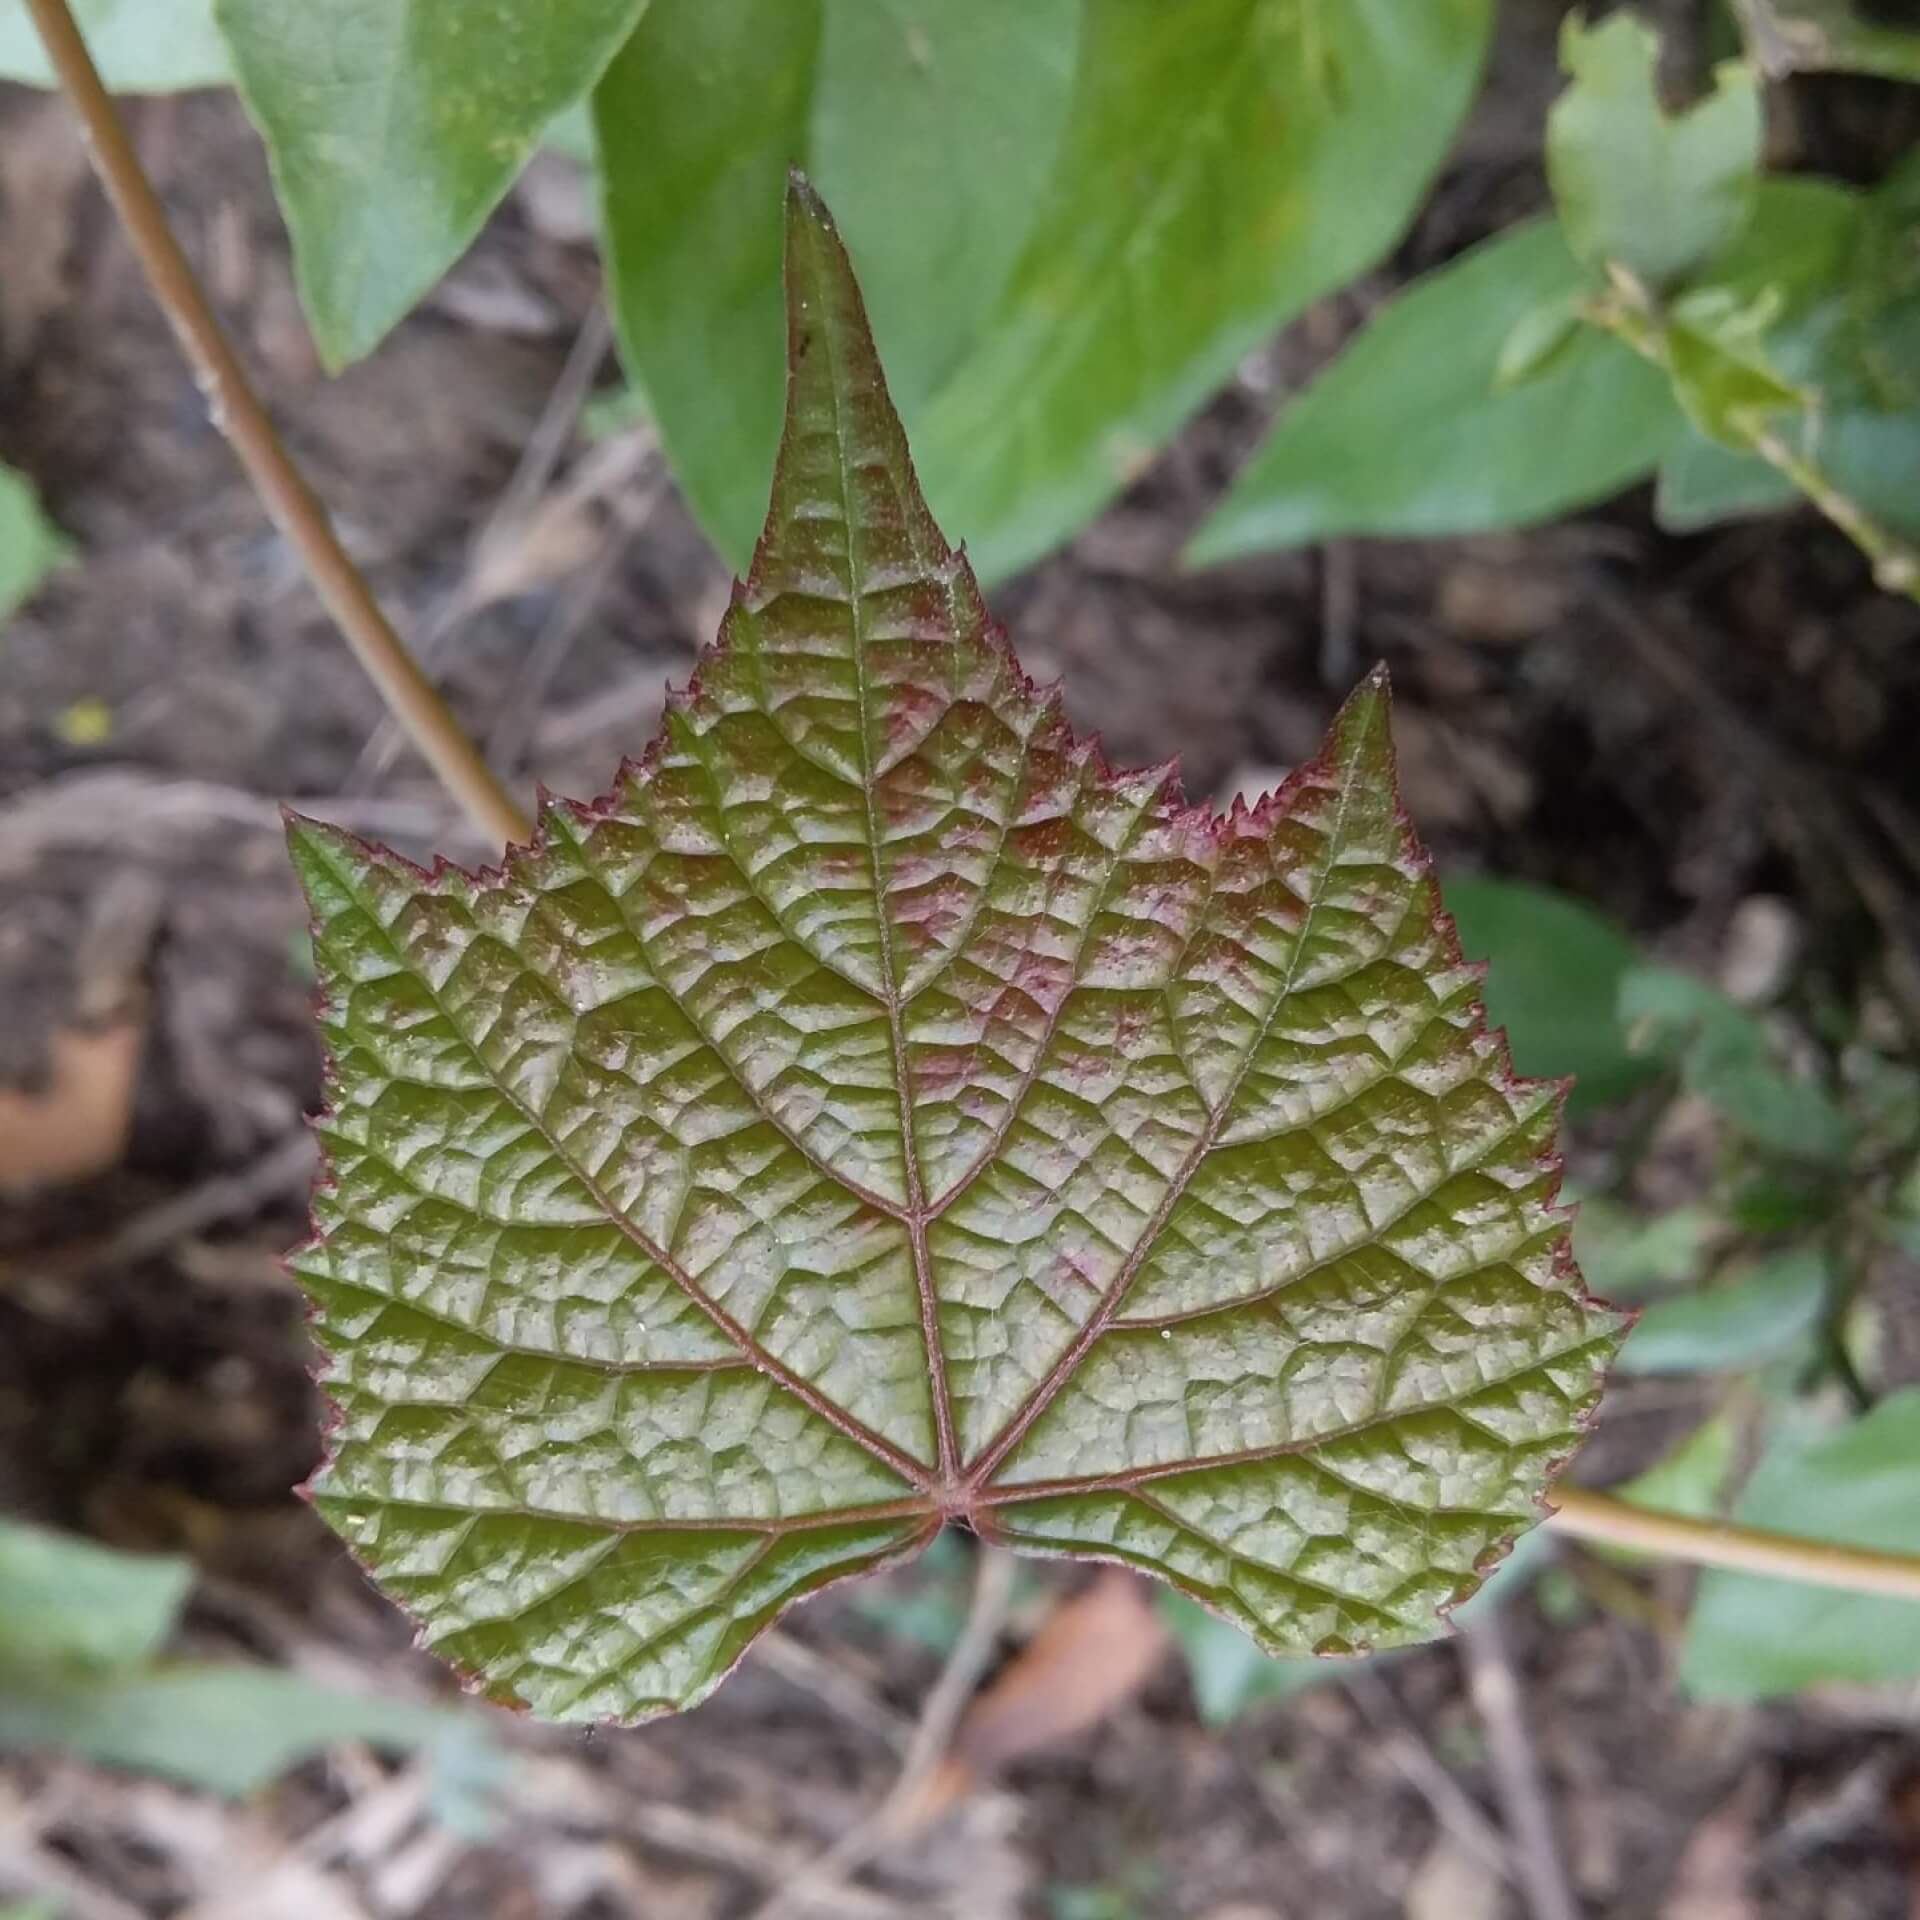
(877, 1112)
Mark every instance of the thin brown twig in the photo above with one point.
(932, 1735)
(1414, 1760)
(239, 414)
(1713, 1543)
(1517, 1780)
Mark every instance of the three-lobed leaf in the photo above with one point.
(877, 1112)
(394, 127)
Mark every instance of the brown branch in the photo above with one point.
(237, 411)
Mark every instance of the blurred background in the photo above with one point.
(1674, 778)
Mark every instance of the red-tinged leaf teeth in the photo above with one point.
(822, 1165)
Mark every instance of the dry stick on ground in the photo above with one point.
(535, 468)
(465, 774)
(896, 1814)
(1414, 1760)
(240, 416)
(1516, 1771)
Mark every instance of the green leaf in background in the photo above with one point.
(394, 127)
(1228, 1671)
(1224, 170)
(1687, 1480)
(234, 1729)
(1738, 1323)
(65, 1601)
(1833, 35)
(1553, 982)
(1656, 193)
(1627, 1255)
(1799, 261)
(932, 127)
(1751, 1638)
(30, 546)
(1703, 483)
(930, 124)
(1412, 430)
(876, 1112)
(140, 46)
(1726, 1056)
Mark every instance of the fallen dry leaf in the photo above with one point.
(76, 1125)
(1094, 1653)
(1452, 1882)
(1711, 1880)
(76, 1122)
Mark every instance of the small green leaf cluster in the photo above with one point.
(84, 1669)
(1743, 339)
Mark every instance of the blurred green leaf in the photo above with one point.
(30, 545)
(65, 1600)
(1228, 1671)
(1625, 1255)
(1553, 983)
(1764, 1313)
(1840, 272)
(234, 1729)
(140, 46)
(1225, 167)
(1725, 1055)
(1721, 378)
(904, 89)
(1690, 1478)
(1473, 400)
(1703, 483)
(1658, 194)
(394, 127)
(29, 1910)
(927, 126)
(1750, 1638)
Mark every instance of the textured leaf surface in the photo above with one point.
(1654, 192)
(140, 46)
(877, 1112)
(394, 126)
(1411, 431)
(928, 125)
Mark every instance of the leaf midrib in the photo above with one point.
(916, 1219)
